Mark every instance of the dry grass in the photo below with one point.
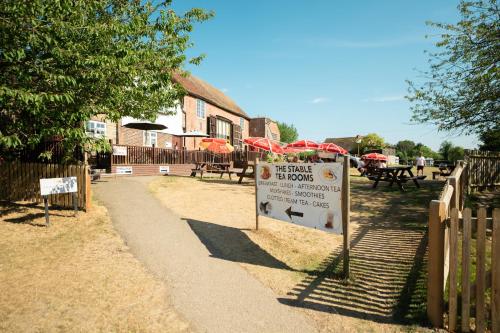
(77, 275)
(224, 219)
(301, 265)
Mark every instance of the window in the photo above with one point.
(150, 139)
(242, 123)
(200, 108)
(223, 130)
(96, 129)
(184, 120)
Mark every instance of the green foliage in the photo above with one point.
(62, 62)
(461, 88)
(425, 151)
(407, 151)
(445, 148)
(490, 140)
(450, 152)
(371, 141)
(288, 132)
(456, 153)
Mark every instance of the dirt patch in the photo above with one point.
(76, 275)
(302, 265)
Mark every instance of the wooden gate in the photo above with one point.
(479, 235)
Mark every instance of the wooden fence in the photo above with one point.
(21, 182)
(445, 217)
(461, 266)
(483, 170)
(152, 155)
(451, 197)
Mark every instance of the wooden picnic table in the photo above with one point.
(395, 174)
(246, 174)
(220, 168)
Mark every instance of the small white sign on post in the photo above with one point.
(124, 170)
(120, 150)
(50, 186)
(164, 169)
(307, 194)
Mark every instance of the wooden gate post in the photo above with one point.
(435, 264)
(87, 196)
(346, 207)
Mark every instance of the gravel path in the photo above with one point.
(214, 295)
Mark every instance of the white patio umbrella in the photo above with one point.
(193, 134)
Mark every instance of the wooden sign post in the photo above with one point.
(313, 195)
(46, 203)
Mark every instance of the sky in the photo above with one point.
(331, 68)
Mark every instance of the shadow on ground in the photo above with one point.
(388, 260)
(23, 213)
(233, 244)
(388, 257)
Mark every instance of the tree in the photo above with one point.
(405, 150)
(461, 91)
(62, 62)
(426, 151)
(456, 153)
(371, 141)
(288, 132)
(490, 140)
(445, 148)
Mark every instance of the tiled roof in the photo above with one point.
(201, 89)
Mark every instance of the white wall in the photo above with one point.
(173, 122)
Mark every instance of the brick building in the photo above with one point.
(264, 127)
(204, 109)
(207, 109)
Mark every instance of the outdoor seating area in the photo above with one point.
(257, 167)
(444, 171)
(395, 174)
(208, 167)
(248, 171)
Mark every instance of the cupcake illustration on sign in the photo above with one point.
(265, 172)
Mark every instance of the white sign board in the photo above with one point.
(307, 194)
(120, 150)
(164, 169)
(58, 185)
(124, 170)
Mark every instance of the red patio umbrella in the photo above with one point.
(307, 144)
(292, 150)
(332, 148)
(265, 144)
(374, 156)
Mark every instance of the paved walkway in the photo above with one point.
(214, 295)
